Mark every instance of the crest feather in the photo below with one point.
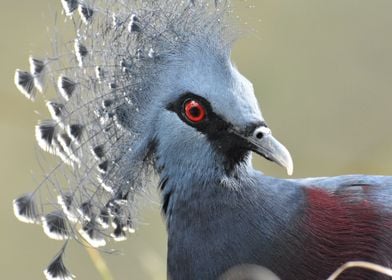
(55, 225)
(100, 123)
(25, 209)
(56, 270)
(24, 81)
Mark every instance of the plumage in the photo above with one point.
(85, 13)
(56, 270)
(25, 209)
(107, 103)
(24, 81)
(66, 87)
(119, 233)
(55, 225)
(66, 202)
(103, 166)
(45, 133)
(159, 103)
(98, 151)
(55, 109)
(80, 51)
(115, 21)
(86, 211)
(92, 234)
(65, 141)
(37, 68)
(103, 217)
(134, 24)
(69, 6)
(75, 131)
(306, 228)
(104, 183)
(99, 73)
(63, 149)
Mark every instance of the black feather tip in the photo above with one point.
(69, 6)
(103, 217)
(120, 219)
(103, 166)
(55, 109)
(64, 152)
(24, 81)
(75, 131)
(99, 73)
(36, 66)
(44, 134)
(119, 233)
(134, 24)
(91, 233)
(66, 87)
(80, 52)
(64, 140)
(86, 210)
(98, 151)
(36, 69)
(55, 225)
(107, 103)
(85, 13)
(56, 270)
(65, 201)
(66, 144)
(113, 85)
(25, 209)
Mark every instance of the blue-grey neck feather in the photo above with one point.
(228, 216)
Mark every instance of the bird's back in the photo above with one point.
(346, 218)
(299, 229)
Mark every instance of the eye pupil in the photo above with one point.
(194, 111)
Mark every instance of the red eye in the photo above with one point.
(194, 111)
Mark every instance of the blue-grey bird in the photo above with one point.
(146, 92)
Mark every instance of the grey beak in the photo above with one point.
(264, 144)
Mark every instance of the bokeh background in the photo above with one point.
(322, 71)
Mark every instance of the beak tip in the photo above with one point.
(287, 161)
(290, 169)
(289, 165)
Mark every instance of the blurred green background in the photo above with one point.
(322, 71)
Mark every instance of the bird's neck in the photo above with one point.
(185, 178)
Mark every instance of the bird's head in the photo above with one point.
(208, 112)
(149, 86)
